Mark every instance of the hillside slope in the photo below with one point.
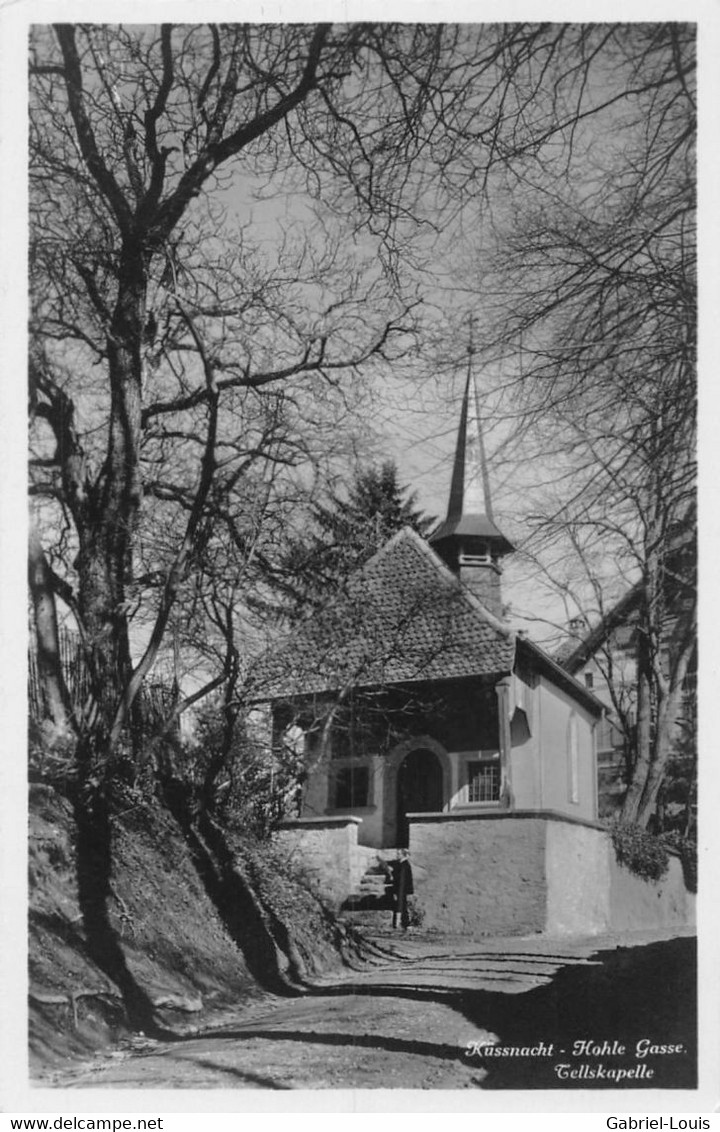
(191, 960)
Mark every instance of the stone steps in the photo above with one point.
(372, 892)
(375, 920)
(373, 884)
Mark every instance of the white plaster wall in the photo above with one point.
(370, 833)
(315, 792)
(455, 780)
(316, 800)
(524, 765)
(555, 709)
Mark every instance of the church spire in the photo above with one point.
(468, 540)
(470, 484)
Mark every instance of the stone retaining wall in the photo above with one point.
(664, 903)
(498, 873)
(578, 861)
(520, 872)
(326, 852)
(479, 875)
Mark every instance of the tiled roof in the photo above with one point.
(404, 617)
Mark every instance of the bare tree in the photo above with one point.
(153, 338)
(172, 336)
(599, 262)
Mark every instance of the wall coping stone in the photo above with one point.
(333, 812)
(320, 823)
(503, 815)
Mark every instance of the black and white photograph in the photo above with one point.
(356, 620)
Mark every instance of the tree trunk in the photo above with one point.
(643, 753)
(105, 631)
(665, 729)
(53, 691)
(105, 558)
(688, 816)
(655, 741)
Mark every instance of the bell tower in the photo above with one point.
(468, 540)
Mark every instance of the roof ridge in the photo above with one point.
(436, 561)
(383, 550)
(561, 671)
(602, 630)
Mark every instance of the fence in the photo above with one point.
(155, 700)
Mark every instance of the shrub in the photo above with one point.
(686, 848)
(416, 912)
(641, 852)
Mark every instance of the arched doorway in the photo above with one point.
(419, 789)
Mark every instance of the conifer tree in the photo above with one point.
(348, 530)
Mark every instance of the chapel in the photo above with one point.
(426, 722)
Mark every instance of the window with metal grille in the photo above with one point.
(483, 782)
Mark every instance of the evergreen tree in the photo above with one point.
(347, 530)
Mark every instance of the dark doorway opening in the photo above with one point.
(419, 789)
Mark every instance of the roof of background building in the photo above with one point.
(582, 647)
(617, 628)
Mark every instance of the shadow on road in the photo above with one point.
(242, 1076)
(441, 1050)
(631, 994)
(619, 997)
(623, 996)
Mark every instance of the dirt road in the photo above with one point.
(409, 1020)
